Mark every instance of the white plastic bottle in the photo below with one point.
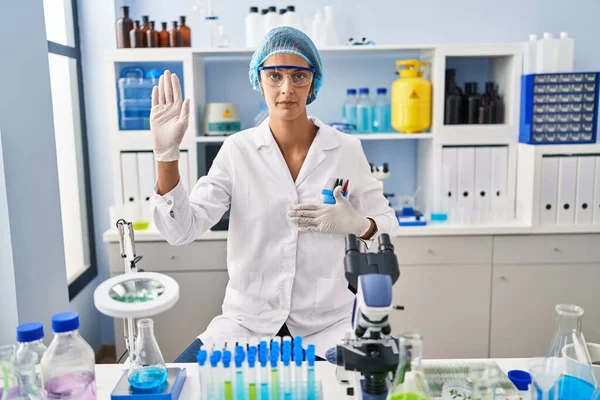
(566, 57)
(319, 30)
(529, 55)
(271, 19)
(68, 364)
(547, 54)
(254, 30)
(331, 38)
(291, 18)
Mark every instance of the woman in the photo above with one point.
(285, 249)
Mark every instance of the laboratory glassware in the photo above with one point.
(364, 111)
(453, 111)
(163, 36)
(382, 112)
(175, 39)
(152, 35)
(9, 386)
(68, 364)
(135, 35)
(30, 337)
(144, 28)
(409, 381)
(30, 386)
(147, 369)
(349, 107)
(124, 26)
(186, 33)
(473, 102)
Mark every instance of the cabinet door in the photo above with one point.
(448, 304)
(200, 300)
(523, 301)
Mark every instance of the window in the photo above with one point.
(64, 58)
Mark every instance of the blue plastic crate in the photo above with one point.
(559, 108)
(135, 97)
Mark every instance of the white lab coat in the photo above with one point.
(277, 275)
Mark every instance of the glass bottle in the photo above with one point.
(409, 381)
(186, 33)
(147, 369)
(473, 102)
(152, 35)
(145, 28)
(484, 381)
(9, 386)
(30, 337)
(175, 36)
(30, 387)
(453, 111)
(124, 26)
(163, 36)
(568, 355)
(135, 36)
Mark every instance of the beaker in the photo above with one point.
(147, 370)
(409, 381)
(568, 355)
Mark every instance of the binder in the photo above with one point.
(584, 201)
(450, 164)
(146, 177)
(184, 169)
(499, 199)
(567, 184)
(130, 178)
(483, 181)
(466, 178)
(549, 191)
(597, 192)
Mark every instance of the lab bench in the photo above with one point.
(487, 292)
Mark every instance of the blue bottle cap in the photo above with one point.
(298, 357)
(363, 90)
(286, 358)
(226, 358)
(239, 360)
(381, 90)
(30, 332)
(201, 357)
(521, 379)
(65, 322)
(262, 346)
(215, 357)
(252, 356)
(351, 92)
(310, 355)
(298, 340)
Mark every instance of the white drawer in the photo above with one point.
(461, 250)
(547, 249)
(201, 255)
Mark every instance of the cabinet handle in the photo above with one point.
(172, 257)
(556, 250)
(503, 278)
(429, 251)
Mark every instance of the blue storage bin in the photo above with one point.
(135, 97)
(559, 108)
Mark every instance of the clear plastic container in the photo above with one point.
(68, 364)
(382, 113)
(349, 107)
(364, 112)
(30, 337)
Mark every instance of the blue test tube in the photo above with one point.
(252, 373)
(216, 384)
(286, 370)
(203, 373)
(311, 391)
(264, 373)
(240, 384)
(274, 358)
(298, 381)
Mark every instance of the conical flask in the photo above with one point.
(568, 356)
(409, 381)
(147, 370)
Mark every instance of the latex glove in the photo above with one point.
(339, 218)
(168, 118)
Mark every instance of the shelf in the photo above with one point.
(153, 235)
(477, 134)
(361, 136)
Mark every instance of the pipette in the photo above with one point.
(252, 373)
(264, 373)
(274, 370)
(203, 373)
(240, 385)
(286, 371)
(216, 385)
(227, 375)
(311, 387)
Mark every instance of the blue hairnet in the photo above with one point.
(286, 39)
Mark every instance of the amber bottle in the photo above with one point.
(152, 35)
(145, 28)
(175, 36)
(124, 26)
(163, 36)
(136, 36)
(186, 33)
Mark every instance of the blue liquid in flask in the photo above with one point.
(148, 378)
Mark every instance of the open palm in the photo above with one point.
(169, 117)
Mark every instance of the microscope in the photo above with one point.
(368, 356)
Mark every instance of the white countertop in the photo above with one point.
(107, 376)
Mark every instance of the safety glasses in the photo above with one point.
(275, 75)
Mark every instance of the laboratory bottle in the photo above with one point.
(163, 36)
(29, 337)
(409, 381)
(252, 27)
(498, 112)
(9, 382)
(319, 30)
(145, 28)
(530, 54)
(566, 57)
(382, 112)
(291, 18)
(349, 107)
(68, 364)
(465, 103)
(124, 26)
(282, 12)
(135, 36)
(271, 19)
(152, 35)
(185, 32)
(30, 385)
(473, 102)
(453, 110)
(175, 36)
(411, 97)
(364, 111)
(485, 107)
(147, 368)
(331, 35)
(568, 358)
(547, 54)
